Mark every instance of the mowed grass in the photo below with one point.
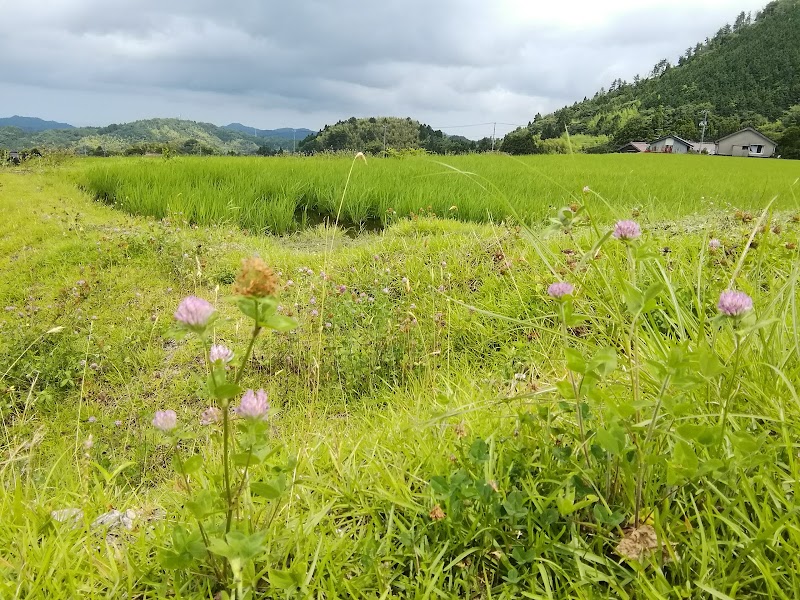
(280, 195)
(439, 383)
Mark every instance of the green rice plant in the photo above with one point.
(275, 195)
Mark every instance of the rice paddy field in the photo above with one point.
(555, 377)
(281, 195)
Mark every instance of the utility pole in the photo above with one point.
(294, 140)
(494, 132)
(385, 126)
(703, 125)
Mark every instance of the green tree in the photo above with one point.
(636, 129)
(519, 141)
(789, 143)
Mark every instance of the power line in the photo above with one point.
(479, 125)
(462, 126)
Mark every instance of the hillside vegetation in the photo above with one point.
(32, 123)
(393, 134)
(285, 133)
(146, 136)
(747, 74)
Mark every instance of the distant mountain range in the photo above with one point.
(32, 123)
(285, 133)
(191, 137)
(149, 135)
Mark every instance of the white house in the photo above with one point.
(670, 144)
(746, 142)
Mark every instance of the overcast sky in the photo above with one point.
(305, 63)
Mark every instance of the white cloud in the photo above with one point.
(310, 62)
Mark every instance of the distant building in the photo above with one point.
(704, 147)
(13, 157)
(633, 147)
(746, 142)
(670, 144)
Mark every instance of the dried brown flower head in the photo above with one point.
(638, 543)
(641, 543)
(255, 279)
(436, 514)
(461, 430)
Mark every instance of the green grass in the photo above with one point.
(279, 195)
(411, 400)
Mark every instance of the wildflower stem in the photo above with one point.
(650, 430)
(246, 357)
(575, 387)
(226, 468)
(202, 529)
(244, 474)
(631, 265)
(729, 393)
(226, 427)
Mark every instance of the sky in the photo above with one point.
(458, 65)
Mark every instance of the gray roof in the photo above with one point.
(640, 146)
(756, 131)
(674, 137)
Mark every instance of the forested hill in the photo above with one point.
(32, 123)
(748, 73)
(285, 133)
(396, 134)
(149, 135)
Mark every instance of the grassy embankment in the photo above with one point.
(409, 386)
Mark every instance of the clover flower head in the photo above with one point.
(210, 415)
(627, 230)
(165, 420)
(734, 304)
(560, 289)
(221, 353)
(714, 244)
(194, 312)
(253, 405)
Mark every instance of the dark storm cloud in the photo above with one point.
(424, 58)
